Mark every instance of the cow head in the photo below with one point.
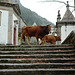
(44, 30)
(58, 38)
(49, 27)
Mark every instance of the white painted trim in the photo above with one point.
(6, 8)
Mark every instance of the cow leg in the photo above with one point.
(44, 42)
(27, 39)
(24, 38)
(52, 42)
(41, 42)
(21, 38)
(37, 41)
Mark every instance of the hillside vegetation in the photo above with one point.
(30, 17)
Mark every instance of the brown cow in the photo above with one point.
(50, 39)
(36, 31)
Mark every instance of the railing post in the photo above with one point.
(59, 33)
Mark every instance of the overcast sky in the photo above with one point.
(48, 10)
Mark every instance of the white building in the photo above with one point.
(10, 22)
(34, 24)
(66, 24)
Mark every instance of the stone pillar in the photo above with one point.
(59, 33)
(19, 27)
(16, 26)
(16, 34)
(10, 26)
(58, 26)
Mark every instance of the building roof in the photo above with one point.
(68, 16)
(10, 1)
(14, 6)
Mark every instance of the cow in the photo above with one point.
(36, 31)
(50, 39)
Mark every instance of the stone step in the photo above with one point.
(37, 56)
(39, 52)
(37, 71)
(11, 70)
(36, 60)
(37, 65)
(34, 49)
(51, 45)
(32, 46)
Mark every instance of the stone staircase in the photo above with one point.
(37, 60)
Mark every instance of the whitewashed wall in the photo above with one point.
(4, 27)
(66, 30)
(22, 23)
